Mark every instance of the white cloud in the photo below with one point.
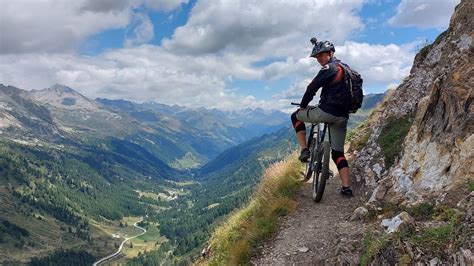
(262, 27)
(48, 25)
(62, 25)
(378, 64)
(424, 14)
(165, 5)
(382, 66)
(219, 44)
(282, 101)
(142, 30)
(149, 72)
(295, 91)
(105, 5)
(139, 73)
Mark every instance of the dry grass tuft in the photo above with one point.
(233, 242)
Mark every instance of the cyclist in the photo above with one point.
(331, 109)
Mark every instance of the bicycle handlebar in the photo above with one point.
(297, 104)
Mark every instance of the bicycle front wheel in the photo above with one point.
(321, 173)
(312, 159)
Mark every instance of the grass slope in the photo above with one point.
(232, 242)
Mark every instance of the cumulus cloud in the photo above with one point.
(423, 14)
(61, 26)
(268, 26)
(144, 73)
(381, 66)
(105, 5)
(49, 25)
(150, 72)
(222, 41)
(140, 30)
(295, 91)
(165, 5)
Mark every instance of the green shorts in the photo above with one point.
(337, 124)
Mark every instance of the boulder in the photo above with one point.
(359, 214)
(396, 223)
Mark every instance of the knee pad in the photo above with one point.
(297, 124)
(339, 159)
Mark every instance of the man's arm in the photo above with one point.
(325, 75)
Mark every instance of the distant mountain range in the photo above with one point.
(71, 162)
(370, 102)
(216, 129)
(171, 133)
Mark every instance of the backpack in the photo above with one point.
(354, 86)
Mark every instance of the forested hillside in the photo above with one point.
(71, 174)
(76, 171)
(226, 187)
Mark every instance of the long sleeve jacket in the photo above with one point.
(333, 98)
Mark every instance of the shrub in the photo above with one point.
(362, 140)
(435, 238)
(422, 211)
(372, 243)
(392, 136)
(470, 185)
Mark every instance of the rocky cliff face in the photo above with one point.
(437, 154)
(415, 153)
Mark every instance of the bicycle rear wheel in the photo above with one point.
(321, 173)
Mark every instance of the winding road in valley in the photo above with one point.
(111, 256)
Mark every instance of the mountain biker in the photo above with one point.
(331, 109)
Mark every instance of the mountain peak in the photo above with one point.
(63, 97)
(7, 89)
(57, 89)
(61, 88)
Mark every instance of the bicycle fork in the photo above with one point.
(323, 129)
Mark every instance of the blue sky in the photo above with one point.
(378, 30)
(164, 22)
(375, 15)
(224, 54)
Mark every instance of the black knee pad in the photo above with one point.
(297, 124)
(339, 159)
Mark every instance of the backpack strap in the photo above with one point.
(338, 77)
(349, 74)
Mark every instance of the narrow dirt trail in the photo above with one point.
(316, 233)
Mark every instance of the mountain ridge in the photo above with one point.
(57, 178)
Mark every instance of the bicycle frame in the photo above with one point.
(318, 167)
(319, 144)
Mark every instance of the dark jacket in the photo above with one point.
(333, 98)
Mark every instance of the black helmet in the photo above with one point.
(320, 47)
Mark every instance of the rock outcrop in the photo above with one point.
(437, 154)
(415, 153)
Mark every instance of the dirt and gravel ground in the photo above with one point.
(316, 233)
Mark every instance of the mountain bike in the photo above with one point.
(318, 164)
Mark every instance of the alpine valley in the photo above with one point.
(77, 176)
